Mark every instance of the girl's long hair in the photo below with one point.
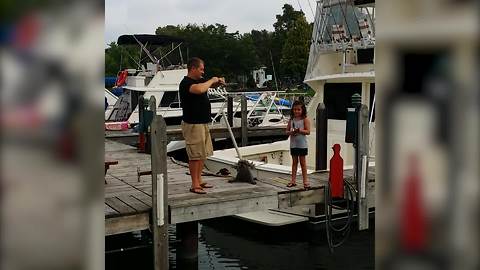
(304, 109)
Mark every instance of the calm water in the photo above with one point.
(229, 243)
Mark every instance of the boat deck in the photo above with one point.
(128, 200)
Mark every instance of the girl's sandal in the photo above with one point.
(306, 186)
(205, 185)
(198, 190)
(291, 184)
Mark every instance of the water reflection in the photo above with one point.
(249, 246)
(229, 243)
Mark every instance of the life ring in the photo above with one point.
(121, 78)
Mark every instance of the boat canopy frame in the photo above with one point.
(342, 25)
(156, 41)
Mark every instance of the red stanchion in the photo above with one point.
(336, 173)
(141, 142)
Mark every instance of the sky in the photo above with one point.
(144, 16)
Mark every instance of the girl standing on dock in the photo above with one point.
(298, 128)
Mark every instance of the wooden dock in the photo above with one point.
(128, 201)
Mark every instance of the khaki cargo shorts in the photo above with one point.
(198, 141)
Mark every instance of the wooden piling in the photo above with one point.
(321, 137)
(244, 121)
(159, 224)
(230, 110)
(152, 106)
(187, 245)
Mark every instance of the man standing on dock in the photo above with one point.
(196, 116)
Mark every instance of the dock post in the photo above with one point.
(187, 245)
(230, 110)
(141, 120)
(244, 121)
(159, 222)
(321, 137)
(152, 111)
(361, 166)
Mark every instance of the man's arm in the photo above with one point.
(200, 88)
(221, 81)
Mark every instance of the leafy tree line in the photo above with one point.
(233, 54)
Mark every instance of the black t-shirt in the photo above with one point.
(196, 107)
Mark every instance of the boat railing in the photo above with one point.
(261, 104)
(342, 25)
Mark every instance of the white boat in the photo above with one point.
(341, 63)
(110, 100)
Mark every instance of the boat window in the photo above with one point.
(134, 98)
(337, 98)
(168, 98)
(365, 56)
(175, 105)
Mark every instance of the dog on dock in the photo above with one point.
(243, 173)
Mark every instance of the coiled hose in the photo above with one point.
(343, 231)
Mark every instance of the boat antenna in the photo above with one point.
(273, 67)
(298, 1)
(143, 47)
(311, 9)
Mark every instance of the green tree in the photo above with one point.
(295, 50)
(285, 22)
(262, 41)
(118, 58)
(226, 54)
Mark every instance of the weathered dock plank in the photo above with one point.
(225, 208)
(110, 211)
(129, 223)
(119, 206)
(133, 202)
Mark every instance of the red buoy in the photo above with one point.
(336, 173)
